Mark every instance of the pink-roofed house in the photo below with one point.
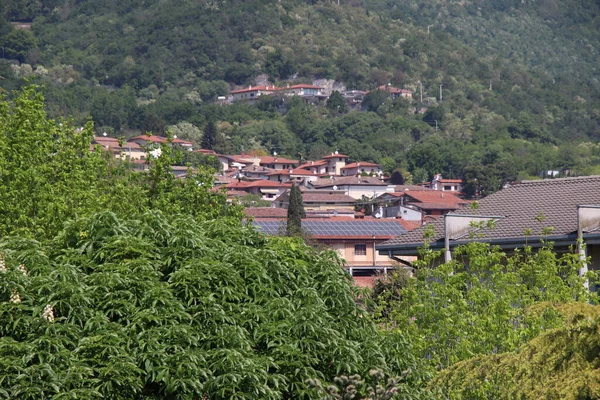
(277, 163)
(252, 92)
(316, 167)
(282, 175)
(335, 163)
(451, 185)
(302, 90)
(361, 167)
(396, 93)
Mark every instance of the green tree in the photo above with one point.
(166, 307)
(18, 43)
(210, 135)
(295, 212)
(479, 304)
(336, 103)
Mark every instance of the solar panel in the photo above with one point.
(337, 228)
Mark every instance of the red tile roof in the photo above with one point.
(151, 138)
(265, 212)
(434, 196)
(296, 171)
(301, 86)
(348, 180)
(334, 155)
(314, 164)
(327, 198)
(360, 164)
(276, 160)
(261, 183)
(450, 180)
(255, 89)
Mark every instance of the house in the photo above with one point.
(355, 187)
(286, 175)
(252, 92)
(316, 167)
(354, 240)
(397, 93)
(277, 163)
(318, 200)
(426, 202)
(335, 163)
(353, 98)
(361, 167)
(267, 190)
(130, 150)
(449, 185)
(529, 213)
(109, 144)
(303, 90)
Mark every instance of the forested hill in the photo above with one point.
(519, 71)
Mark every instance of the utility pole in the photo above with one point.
(441, 91)
(490, 85)
(421, 85)
(436, 126)
(428, 28)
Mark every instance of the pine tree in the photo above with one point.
(295, 212)
(210, 135)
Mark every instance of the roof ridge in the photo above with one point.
(557, 180)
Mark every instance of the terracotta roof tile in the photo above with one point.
(349, 180)
(334, 155)
(360, 164)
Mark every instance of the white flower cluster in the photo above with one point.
(48, 313)
(23, 269)
(2, 263)
(15, 297)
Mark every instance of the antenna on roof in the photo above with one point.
(274, 153)
(336, 152)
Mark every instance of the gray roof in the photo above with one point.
(528, 209)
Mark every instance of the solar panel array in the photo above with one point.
(336, 228)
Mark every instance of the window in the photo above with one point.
(360, 249)
(447, 187)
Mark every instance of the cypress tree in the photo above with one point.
(295, 212)
(210, 135)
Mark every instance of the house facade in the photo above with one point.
(355, 187)
(565, 212)
(361, 167)
(252, 93)
(355, 240)
(447, 185)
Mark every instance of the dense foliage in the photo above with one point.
(561, 363)
(48, 175)
(164, 307)
(166, 295)
(483, 303)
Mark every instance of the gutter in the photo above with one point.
(504, 243)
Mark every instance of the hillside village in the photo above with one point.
(312, 93)
(351, 206)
